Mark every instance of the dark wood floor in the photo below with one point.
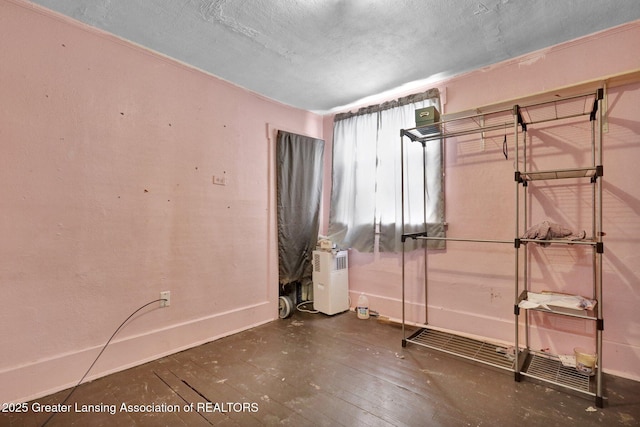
(320, 370)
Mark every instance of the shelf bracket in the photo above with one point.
(599, 96)
(600, 324)
(594, 110)
(516, 310)
(600, 247)
(521, 122)
(516, 243)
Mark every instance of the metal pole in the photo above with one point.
(599, 330)
(456, 239)
(424, 219)
(516, 366)
(525, 250)
(404, 336)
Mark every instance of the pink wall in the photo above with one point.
(471, 285)
(90, 122)
(108, 156)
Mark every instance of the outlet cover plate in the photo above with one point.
(165, 295)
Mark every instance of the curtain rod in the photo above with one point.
(409, 99)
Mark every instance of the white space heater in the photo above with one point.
(330, 282)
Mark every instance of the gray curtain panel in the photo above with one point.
(299, 167)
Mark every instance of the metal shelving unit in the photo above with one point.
(480, 126)
(537, 365)
(524, 362)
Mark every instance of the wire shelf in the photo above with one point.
(550, 369)
(580, 105)
(480, 351)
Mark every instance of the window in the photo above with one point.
(366, 193)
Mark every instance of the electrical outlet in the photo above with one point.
(165, 296)
(220, 180)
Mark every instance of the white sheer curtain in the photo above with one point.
(352, 211)
(366, 176)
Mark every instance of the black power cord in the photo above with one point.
(100, 354)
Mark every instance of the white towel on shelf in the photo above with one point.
(545, 299)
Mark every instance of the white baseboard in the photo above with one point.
(40, 378)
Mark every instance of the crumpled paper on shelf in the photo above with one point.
(568, 360)
(545, 299)
(548, 230)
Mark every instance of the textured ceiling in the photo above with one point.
(323, 54)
